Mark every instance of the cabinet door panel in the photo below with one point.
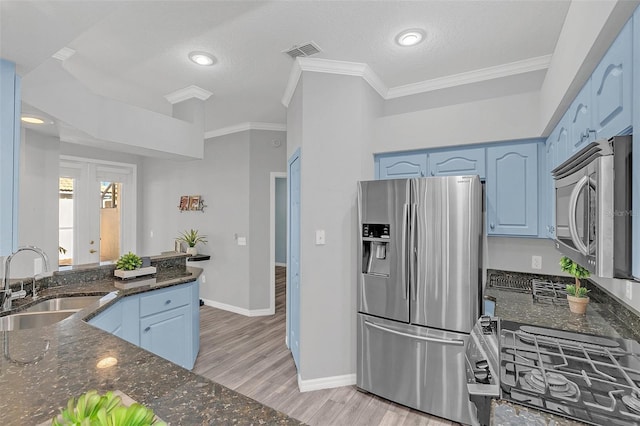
(582, 131)
(167, 334)
(402, 166)
(548, 191)
(457, 162)
(611, 87)
(512, 190)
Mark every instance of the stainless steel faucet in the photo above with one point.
(6, 296)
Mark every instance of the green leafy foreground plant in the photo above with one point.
(92, 409)
(129, 262)
(569, 266)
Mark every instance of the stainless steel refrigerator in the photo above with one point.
(419, 290)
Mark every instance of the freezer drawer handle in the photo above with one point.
(426, 339)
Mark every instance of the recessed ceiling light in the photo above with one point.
(202, 58)
(31, 120)
(410, 37)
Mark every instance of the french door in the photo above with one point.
(97, 210)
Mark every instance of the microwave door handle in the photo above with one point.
(573, 207)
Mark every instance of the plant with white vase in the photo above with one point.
(191, 238)
(576, 294)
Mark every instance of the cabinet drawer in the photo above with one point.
(163, 300)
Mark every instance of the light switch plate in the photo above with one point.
(628, 294)
(320, 237)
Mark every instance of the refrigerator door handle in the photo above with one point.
(413, 250)
(405, 248)
(456, 342)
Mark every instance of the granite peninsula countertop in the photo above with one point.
(42, 368)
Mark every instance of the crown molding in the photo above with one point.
(241, 127)
(329, 66)
(364, 71)
(475, 76)
(188, 93)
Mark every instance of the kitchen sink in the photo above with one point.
(25, 320)
(63, 304)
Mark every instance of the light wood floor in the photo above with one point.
(249, 355)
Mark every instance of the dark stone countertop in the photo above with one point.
(42, 368)
(605, 316)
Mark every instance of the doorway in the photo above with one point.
(278, 231)
(97, 206)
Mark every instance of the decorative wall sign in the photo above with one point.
(193, 203)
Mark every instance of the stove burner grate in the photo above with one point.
(558, 385)
(632, 401)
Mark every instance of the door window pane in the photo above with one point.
(65, 221)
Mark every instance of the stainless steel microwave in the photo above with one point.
(593, 207)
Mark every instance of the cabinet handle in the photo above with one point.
(433, 173)
(147, 329)
(492, 225)
(167, 302)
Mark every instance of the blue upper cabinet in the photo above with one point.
(470, 161)
(398, 166)
(512, 189)
(611, 84)
(581, 129)
(9, 156)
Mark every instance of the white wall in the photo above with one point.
(233, 180)
(333, 120)
(489, 120)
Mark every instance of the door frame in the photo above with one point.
(272, 239)
(90, 168)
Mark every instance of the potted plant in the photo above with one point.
(192, 238)
(129, 266)
(576, 294)
(105, 410)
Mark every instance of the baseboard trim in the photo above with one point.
(238, 310)
(326, 382)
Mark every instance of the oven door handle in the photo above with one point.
(456, 342)
(573, 206)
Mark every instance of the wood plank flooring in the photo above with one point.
(249, 355)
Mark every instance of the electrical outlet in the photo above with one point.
(536, 262)
(203, 279)
(320, 237)
(628, 293)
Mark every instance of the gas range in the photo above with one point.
(588, 378)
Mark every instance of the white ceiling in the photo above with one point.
(136, 51)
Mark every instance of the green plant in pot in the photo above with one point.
(191, 238)
(576, 294)
(129, 262)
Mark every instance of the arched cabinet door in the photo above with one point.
(469, 161)
(611, 83)
(512, 190)
(398, 166)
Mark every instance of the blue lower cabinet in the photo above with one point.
(168, 334)
(512, 189)
(165, 322)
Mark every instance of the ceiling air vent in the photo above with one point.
(306, 49)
